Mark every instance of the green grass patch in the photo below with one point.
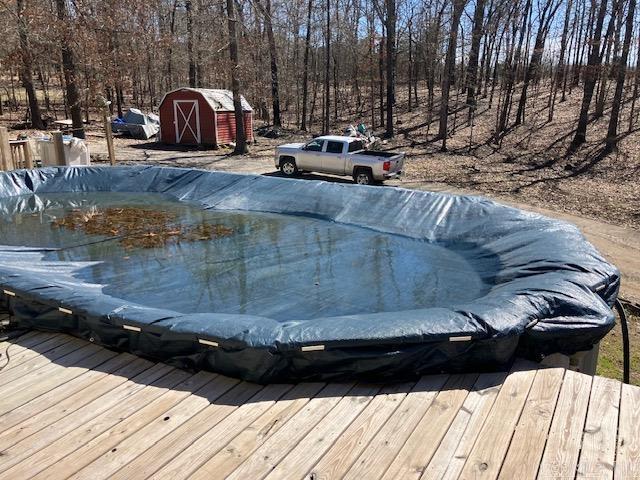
(610, 357)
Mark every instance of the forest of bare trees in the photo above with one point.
(311, 64)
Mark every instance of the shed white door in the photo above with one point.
(186, 116)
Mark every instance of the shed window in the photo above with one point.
(334, 147)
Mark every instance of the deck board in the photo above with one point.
(597, 455)
(271, 452)
(76, 410)
(527, 444)
(253, 436)
(449, 459)
(417, 451)
(562, 450)
(487, 455)
(384, 447)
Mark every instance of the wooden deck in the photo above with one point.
(69, 408)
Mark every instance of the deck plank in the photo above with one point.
(598, 452)
(164, 424)
(561, 453)
(267, 456)
(383, 448)
(154, 378)
(34, 364)
(17, 358)
(26, 341)
(253, 436)
(70, 366)
(181, 438)
(71, 409)
(299, 460)
(65, 399)
(492, 443)
(628, 452)
(527, 444)
(217, 437)
(448, 460)
(417, 451)
(60, 446)
(348, 447)
(202, 383)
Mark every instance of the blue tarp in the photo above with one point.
(318, 280)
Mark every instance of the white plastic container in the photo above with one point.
(76, 152)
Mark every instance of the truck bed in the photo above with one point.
(377, 153)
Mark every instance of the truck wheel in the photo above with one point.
(288, 167)
(363, 176)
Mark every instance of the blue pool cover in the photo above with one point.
(317, 281)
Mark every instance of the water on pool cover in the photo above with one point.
(280, 266)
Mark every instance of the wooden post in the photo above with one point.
(28, 158)
(109, 135)
(58, 146)
(5, 150)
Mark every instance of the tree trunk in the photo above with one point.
(273, 55)
(511, 67)
(534, 65)
(607, 65)
(474, 53)
(391, 64)
(241, 138)
(172, 30)
(381, 81)
(449, 70)
(70, 72)
(590, 77)
(26, 74)
(410, 66)
(636, 81)
(327, 72)
(561, 71)
(305, 74)
(192, 60)
(621, 69)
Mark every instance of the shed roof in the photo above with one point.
(218, 99)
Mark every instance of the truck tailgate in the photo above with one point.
(397, 163)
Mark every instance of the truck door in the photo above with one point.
(333, 158)
(309, 157)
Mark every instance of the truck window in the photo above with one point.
(334, 147)
(356, 146)
(314, 145)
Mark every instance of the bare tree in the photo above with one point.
(561, 72)
(305, 73)
(545, 17)
(273, 55)
(449, 70)
(190, 36)
(390, 24)
(241, 137)
(621, 69)
(590, 77)
(69, 68)
(474, 53)
(327, 70)
(26, 74)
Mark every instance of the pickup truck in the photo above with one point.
(339, 156)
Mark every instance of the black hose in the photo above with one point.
(626, 367)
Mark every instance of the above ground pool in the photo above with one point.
(273, 279)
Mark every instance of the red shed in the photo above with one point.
(201, 116)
